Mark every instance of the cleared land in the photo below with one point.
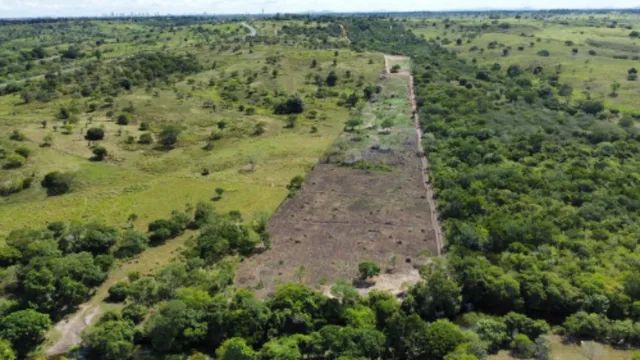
(365, 201)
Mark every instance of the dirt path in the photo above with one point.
(66, 333)
(433, 210)
(252, 31)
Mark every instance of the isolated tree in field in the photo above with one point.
(99, 153)
(57, 183)
(352, 123)
(123, 119)
(367, 270)
(632, 74)
(168, 137)
(94, 134)
(145, 138)
(293, 105)
(332, 79)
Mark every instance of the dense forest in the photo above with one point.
(539, 198)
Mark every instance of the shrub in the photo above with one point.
(94, 134)
(123, 119)
(295, 185)
(119, 291)
(368, 269)
(168, 137)
(13, 162)
(292, 105)
(332, 79)
(522, 346)
(592, 106)
(99, 153)
(145, 138)
(57, 183)
(23, 151)
(544, 53)
(17, 136)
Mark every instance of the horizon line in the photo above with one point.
(114, 15)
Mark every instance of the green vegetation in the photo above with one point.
(535, 169)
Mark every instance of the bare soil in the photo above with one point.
(343, 216)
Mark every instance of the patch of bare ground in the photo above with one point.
(344, 215)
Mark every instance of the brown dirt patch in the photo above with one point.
(343, 216)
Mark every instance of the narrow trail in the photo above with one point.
(67, 332)
(252, 31)
(423, 158)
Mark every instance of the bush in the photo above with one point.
(368, 269)
(168, 137)
(332, 79)
(14, 162)
(94, 134)
(522, 346)
(23, 151)
(99, 153)
(17, 136)
(57, 183)
(295, 185)
(592, 106)
(132, 243)
(118, 292)
(123, 119)
(292, 105)
(146, 139)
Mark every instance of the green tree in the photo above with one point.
(57, 183)
(176, 327)
(368, 269)
(94, 134)
(522, 346)
(132, 243)
(332, 79)
(109, 340)
(99, 153)
(437, 296)
(235, 349)
(442, 337)
(168, 136)
(24, 329)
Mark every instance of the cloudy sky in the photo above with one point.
(35, 8)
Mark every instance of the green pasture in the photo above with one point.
(527, 36)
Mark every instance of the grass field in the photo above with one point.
(150, 183)
(614, 52)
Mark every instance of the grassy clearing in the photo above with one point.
(566, 351)
(137, 179)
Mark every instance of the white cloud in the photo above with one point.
(31, 8)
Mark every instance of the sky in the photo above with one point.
(59, 8)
